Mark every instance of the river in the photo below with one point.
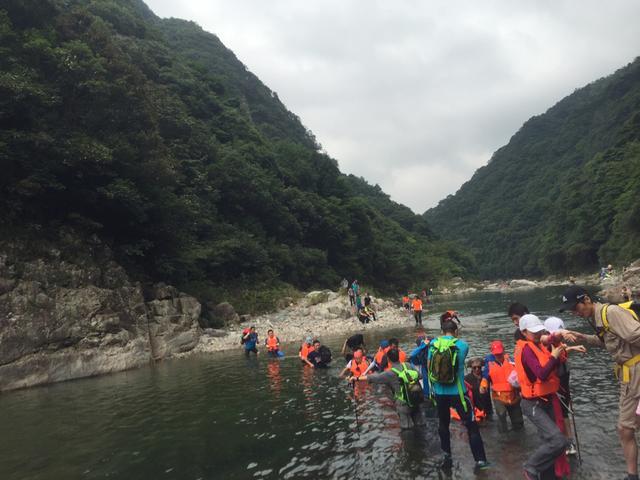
(224, 416)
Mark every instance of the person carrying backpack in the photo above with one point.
(404, 382)
(250, 340)
(319, 357)
(617, 329)
(446, 361)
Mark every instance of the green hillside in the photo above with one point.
(152, 136)
(563, 195)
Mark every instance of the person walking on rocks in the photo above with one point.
(618, 331)
(352, 297)
(417, 310)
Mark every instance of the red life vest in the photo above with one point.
(537, 388)
(272, 344)
(358, 369)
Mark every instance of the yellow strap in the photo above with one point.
(625, 368)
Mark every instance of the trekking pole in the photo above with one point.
(575, 431)
(573, 422)
(355, 405)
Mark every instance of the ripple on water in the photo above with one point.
(199, 418)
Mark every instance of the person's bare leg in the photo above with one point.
(629, 448)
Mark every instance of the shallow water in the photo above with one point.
(228, 417)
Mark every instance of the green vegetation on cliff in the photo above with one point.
(151, 135)
(564, 195)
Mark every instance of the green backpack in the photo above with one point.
(410, 389)
(443, 366)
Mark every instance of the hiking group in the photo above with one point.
(531, 383)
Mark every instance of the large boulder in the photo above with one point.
(316, 297)
(224, 314)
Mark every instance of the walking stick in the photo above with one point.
(355, 406)
(573, 421)
(575, 431)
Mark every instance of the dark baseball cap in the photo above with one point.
(572, 296)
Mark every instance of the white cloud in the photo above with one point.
(431, 87)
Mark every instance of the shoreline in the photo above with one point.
(292, 324)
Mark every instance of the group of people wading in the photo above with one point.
(534, 382)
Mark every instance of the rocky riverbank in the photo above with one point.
(319, 313)
(69, 311)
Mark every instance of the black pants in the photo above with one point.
(417, 314)
(352, 300)
(444, 403)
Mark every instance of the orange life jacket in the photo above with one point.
(272, 344)
(417, 305)
(501, 389)
(537, 388)
(480, 415)
(358, 369)
(304, 350)
(379, 354)
(405, 300)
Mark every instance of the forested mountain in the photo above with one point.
(564, 194)
(152, 136)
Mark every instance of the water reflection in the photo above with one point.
(227, 417)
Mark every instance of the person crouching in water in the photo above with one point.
(273, 344)
(537, 370)
(403, 380)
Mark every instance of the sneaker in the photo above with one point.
(447, 462)
(482, 465)
(572, 450)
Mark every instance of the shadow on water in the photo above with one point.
(230, 417)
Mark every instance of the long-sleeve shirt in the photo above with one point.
(532, 366)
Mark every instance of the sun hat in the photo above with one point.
(531, 323)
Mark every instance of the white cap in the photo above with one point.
(530, 323)
(553, 324)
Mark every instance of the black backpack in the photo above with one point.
(355, 341)
(325, 354)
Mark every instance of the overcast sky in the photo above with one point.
(416, 95)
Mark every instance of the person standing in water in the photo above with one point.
(403, 381)
(250, 341)
(537, 370)
(618, 331)
(272, 343)
(446, 362)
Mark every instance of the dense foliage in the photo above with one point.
(564, 195)
(152, 136)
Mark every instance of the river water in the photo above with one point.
(227, 417)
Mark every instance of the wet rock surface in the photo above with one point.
(70, 316)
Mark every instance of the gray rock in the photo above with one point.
(78, 314)
(224, 313)
(214, 332)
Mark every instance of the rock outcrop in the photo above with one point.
(74, 313)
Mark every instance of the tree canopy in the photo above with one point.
(151, 135)
(564, 194)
